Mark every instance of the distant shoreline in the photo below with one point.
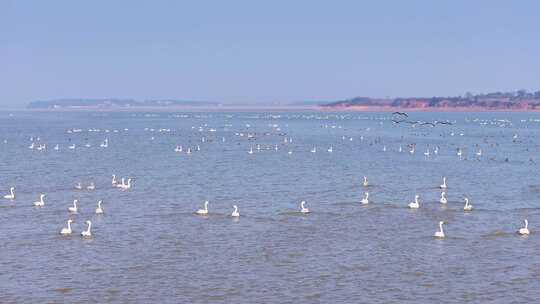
(277, 108)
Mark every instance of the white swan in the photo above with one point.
(314, 150)
(66, 231)
(114, 182)
(365, 200)
(443, 199)
(443, 185)
(440, 233)
(524, 230)
(250, 150)
(235, 213)
(331, 149)
(74, 207)
(40, 203)
(78, 186)
(121, 184)
(467, 207)
(416, 203)
(128, 185)
(365, 183)
(303, 208)
(11, 195)
(203, 211)
(87, 232)
(91, 186)
(99, 210)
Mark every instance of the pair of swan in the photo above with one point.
(204, 211)
(40, 203)
(67, 230)
(11, 195)
(74, 208)
(522, 231)
(123, 185)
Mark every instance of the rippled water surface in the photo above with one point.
(150, 247)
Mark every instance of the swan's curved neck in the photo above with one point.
(11, 191)
(69, 225)
(440, 227)
(88, 229)
(526, 224)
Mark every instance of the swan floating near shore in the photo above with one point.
(416, 203)
(443, 199)
(235, 213)
(365, 200)
(524, 230)
(440, 233)
(67, 230)
(74, 207)
(11, 195)
(99, 210)
(203, 211)
(443, 186)
(40, 203)
(87, 232)
(467, 207)
(303, 207)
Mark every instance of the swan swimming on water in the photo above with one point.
(203, 211)
(524, 230)
(365, 200)
(440, 233)
(443, 199)
(78, 186)
(99, 210)
(91, 186)
(114, 182)
(365, 183)
(87, 232)
(67, 230)
(74, 207)
(467, 207)
(40, 203)
(443, 186)
(416, 203)
(303, 208)
(11, 195)
(235, 213)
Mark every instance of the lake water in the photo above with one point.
(150, 247)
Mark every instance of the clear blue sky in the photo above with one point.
(265, 51)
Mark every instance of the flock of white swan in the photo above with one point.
(123, 185)
(126, 183)
(73, 209)
(365, 200)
